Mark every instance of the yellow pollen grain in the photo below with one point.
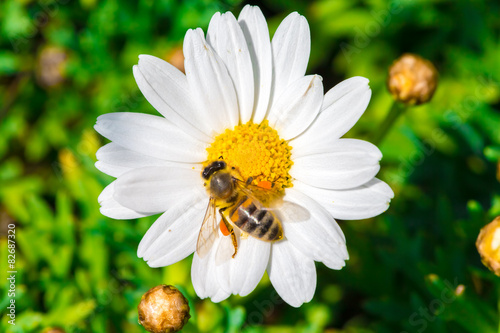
(255, 150)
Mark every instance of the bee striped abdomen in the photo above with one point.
(259, 223)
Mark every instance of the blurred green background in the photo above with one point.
(413, 269)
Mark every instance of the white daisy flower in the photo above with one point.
(246, 101)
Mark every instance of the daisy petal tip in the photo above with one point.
(228, 16)
(136, 72)
(149, 262)
(188, 41)
(99, 119)
(249, 11)
(219, 297)
(303, 20)
(144, 59)
(102, 211)
(368, 94)
(199, 32)
(154, 263)
(216, 15)
(98, 126)
(335, 266)
(387, 191)
(295, 304)
(142, 249)
(364, 94)
(106, 211)
(98, 165)
(374, 151)
(360, 80)
(297, 301)
(194, 44)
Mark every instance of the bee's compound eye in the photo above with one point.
(206, 173)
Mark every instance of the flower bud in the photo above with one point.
(412, 79)
(488, 245)
(163, 309)
(51, 66)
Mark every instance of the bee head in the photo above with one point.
(213, 168)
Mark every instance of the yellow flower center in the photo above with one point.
(255, 150)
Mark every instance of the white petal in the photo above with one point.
(241, 274)
(297, 107)
(319, 237)
(173, 235)
(150, 135)
(220, 295)
(203, 276)
(365, 201)
(115, 160)
(210, 83)
(225, 250)
(347, 163)
(292, 274)
(111, 170)
(342, 107)
(156, 189)
(254, 27)
(231, 46)
(111, 208)
(166, 89)
(291, 46)
(213, 28)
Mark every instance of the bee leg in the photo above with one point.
(235, 243)
(231, 231)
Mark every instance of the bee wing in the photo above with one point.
(208, 231)
(293, 211)
(255, 192)
(226, 250)
(254, 188)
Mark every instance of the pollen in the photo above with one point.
(255, 151)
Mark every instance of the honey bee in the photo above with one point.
(238, 204)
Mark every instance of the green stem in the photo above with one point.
(396, 110)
